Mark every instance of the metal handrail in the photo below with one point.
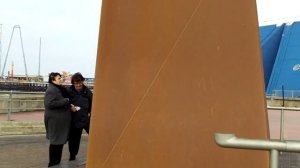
(274, 146)
(20, 92)
(283, 108)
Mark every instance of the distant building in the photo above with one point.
(23, 78)
(280, 45)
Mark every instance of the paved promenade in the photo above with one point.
(22, 123)
(291, 124)
(32, 152)
(23, 143)
(32, 123)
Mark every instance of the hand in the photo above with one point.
(73, 109)
(77, 108)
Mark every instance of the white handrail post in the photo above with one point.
(274, 159)
(10, 106)
(282, 125)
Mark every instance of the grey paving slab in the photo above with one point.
(289, 160)
(32, 152)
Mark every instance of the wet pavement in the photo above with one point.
(32, 152)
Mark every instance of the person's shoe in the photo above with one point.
(52, 164)
(72, 158)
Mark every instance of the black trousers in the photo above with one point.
(74, 140)
(55, 152)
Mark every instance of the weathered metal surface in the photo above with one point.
(169, 75)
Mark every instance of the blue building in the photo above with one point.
(280, 47)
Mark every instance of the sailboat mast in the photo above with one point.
(39, 68)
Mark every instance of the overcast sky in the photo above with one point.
(69, 32)
(278, 11)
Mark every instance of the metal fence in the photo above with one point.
(285, 93)
(15, 101)
(32, 86)
(23, 86)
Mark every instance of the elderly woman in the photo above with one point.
(57, 117)
(80, 97)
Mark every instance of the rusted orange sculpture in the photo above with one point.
(169, 75)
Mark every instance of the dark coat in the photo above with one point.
(83, 99)
(57, 115)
